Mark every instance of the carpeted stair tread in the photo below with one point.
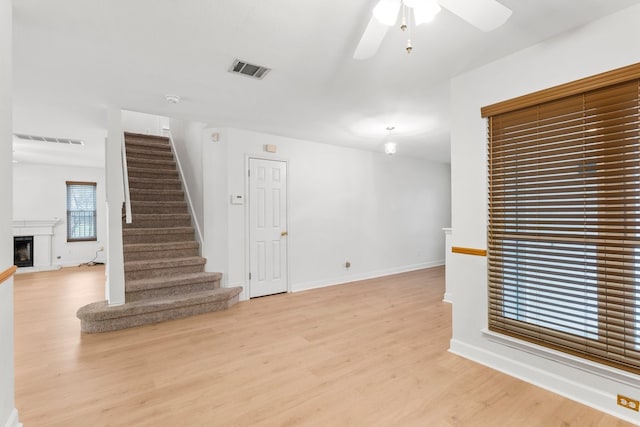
(143, 172)
(141, 220)
(163, 263)
(176, 280)
(132, 136)
(100, 310)
(165, 230)
(165, 206)
(142, 251)
(141, 144)
(156, 194)
(101, 317)
(159, 163)
(176, 246)
(146, 150)
(153, 183)
(157, 235)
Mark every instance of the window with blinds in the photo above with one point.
(564, 218)
(81, 211)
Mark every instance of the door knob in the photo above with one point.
(283, 233)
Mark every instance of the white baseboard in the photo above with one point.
(298, 287)
(579, 392)
(448, 298)
(13, 419)
(23, 270)
(78, 263)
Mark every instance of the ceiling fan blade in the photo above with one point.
(487, 15)
(386, 11)
(371, 39)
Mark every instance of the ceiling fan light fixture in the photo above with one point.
(390, 148)
(425, 11)
(386, 11)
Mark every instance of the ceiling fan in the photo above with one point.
(485, 15)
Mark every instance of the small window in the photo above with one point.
(81, 211)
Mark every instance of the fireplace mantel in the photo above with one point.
(34, 227)
(42, 231)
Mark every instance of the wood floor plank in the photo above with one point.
(370, 353)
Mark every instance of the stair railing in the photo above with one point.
(125, 180)
(167, 133)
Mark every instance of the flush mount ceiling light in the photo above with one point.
(172, 99)
(485, 15)
(390, 147)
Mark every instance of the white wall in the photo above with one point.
(188, 137)
(609, 43)
(148, 124)
(383, 214)
(8, 413)
(40, 192)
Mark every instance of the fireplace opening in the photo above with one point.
(23, 251)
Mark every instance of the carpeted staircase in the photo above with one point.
(164, 273)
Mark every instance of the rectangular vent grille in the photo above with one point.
(251, 70)
(36, 138)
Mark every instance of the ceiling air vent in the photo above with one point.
(36, 138)
(251, 70)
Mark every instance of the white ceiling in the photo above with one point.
(73, 57)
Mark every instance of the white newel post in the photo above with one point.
(114, 289)
(448, 297)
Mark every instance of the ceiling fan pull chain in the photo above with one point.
(403, 26)
(409, 47)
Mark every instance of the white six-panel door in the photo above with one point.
(267, 227)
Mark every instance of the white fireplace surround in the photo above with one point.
(42, 232)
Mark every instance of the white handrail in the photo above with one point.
(167, 133)
(125, 179)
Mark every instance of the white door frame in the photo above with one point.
(247, 226)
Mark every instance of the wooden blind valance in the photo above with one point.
(564, 218)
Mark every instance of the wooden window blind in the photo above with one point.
(564, 220)
(81, 211)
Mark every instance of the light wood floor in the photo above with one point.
(370, 353)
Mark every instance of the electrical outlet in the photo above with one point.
(628, 403)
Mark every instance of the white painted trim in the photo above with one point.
(114, 192)
(588, 366)
(125, 180)
(246, 290)
(167, 133)
(365, 276)
(448, 298)
(13, 421)
(561, 385)
(232, 285)
(22, 270)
